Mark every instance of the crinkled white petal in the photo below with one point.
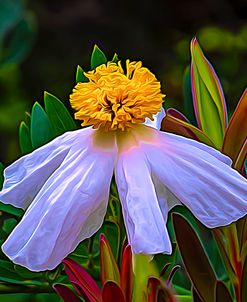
(200, 177)
(144, 220)
(70, 207)
(25, 177)
(158, 117)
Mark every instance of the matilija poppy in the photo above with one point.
(64, 185)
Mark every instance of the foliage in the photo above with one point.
(195, 270)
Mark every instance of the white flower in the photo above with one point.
(64, 185)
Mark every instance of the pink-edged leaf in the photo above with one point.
(180, 127)
(237, 130)
(208, 96)
(108, 266)
(112, 292)
(65, 293)
(177, 114)
(164, 269)
(127, 276)
(82, 281)
(158, 292)
(239, 163)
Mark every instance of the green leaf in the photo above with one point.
(41, 131)
(108, 265)
(9, 224)
(97, 58)
(80, 76)
(16, 50)
(7, 208)
(58, 115)
(208, 97)
(195, 259)
(24, 138)
(115, 58)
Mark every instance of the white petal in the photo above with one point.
(200, 178)
(145, 224)
(177, 139)
(158, 117)
(69, 208)
(25, 177)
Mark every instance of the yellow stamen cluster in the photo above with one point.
(116, 99)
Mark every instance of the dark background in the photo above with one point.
(61, 35)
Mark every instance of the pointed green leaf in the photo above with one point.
(208, 97)
(59, 117)
(195, 259)
(25, 139)
(115, 58)
(80, 76)
(41, 131)
(9, 224)
(97, 58)
(7, 208)
(108, 266)
(236, 131)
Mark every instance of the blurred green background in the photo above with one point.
(41, 43)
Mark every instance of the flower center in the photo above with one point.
(116, 99)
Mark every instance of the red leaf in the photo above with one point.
(235, 135)
(82, 280)
(112, 292)
(65, 293)
(177, 114)
(127, 277)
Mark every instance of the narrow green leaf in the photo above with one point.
(109, 269)
(80, 77)
(25, 139)
(97, 58)
(9, 224)
(195, 259)
(41, 131)
(208, 97)
(59, 117)
(7, 208)
(115, 58)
